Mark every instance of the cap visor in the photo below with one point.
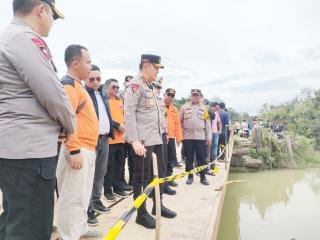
(57, 13)
(158, 65)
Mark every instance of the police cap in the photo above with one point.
(170, 91)
(196, 91)
(56, 13)
(154, 59)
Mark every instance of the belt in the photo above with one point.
(104, 135)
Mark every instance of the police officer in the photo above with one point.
(143, 132)
(196, 129)
(33, 110)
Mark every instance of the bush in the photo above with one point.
(303, 149)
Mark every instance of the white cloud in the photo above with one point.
(244, 51)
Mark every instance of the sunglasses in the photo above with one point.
(170, 95)
(98, 79)
(115, 87)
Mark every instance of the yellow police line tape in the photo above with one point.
(116, 229)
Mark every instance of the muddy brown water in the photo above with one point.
(281, 204)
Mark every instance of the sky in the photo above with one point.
(246, 52)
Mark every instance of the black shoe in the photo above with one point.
(126, 187)
(173, 184)
(168, 190)
(204, 181)
(121, 194)
(146, 220)
(190, 180)
(165, 212)
(54, 229)
(110, 196)
(92, 218)
(100, 208)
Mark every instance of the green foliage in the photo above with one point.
(274, 152)
(301, 116)
(179, 102)
(263, 154)
(303, 149)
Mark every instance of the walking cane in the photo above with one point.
(157, 196)
(56, 186)
(62, 134)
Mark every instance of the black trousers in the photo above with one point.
(172, 155)
(165, 153)
(192, 148)
(116, 163)
(28, 198)
(101, 165)
(142, 173)
(222, 141)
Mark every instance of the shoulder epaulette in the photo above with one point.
(66, 80)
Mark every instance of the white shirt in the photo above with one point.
(104, 123)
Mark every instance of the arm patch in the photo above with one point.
(42, 46)
(134, 87)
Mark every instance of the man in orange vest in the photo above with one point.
(174, 130)
(76, 165)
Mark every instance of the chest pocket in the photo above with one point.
(149, 99)
(200, 114)
(187, 114)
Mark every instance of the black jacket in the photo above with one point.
(106, 104)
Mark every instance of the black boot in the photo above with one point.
(190, 179)
(203, 179)
(165, 212)
(146, 220)
(143, 217)
(168, 190)
(173, 184)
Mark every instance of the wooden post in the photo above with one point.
(289, 148)
(258, 138)
(157, 196)
(226, 156)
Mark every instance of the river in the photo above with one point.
(272, 205)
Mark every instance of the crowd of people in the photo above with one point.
(75, 135)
